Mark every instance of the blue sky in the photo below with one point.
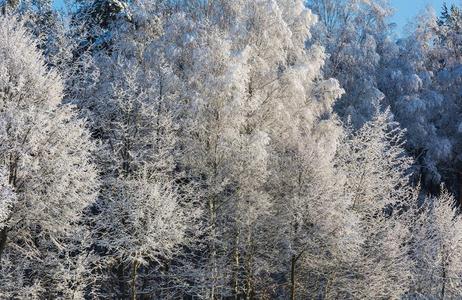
(406, 10)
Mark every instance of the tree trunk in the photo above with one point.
(12, 179)
(292, 277)
(443, 276)
(213, 254)
(327, 288)
(133, 282)
(444, 285)
(236, 267)
(120, 272)
(3, 240)
(250, 290)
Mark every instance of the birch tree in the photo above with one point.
(437, 245)
(46, 152)
(377, 171)
(143, 214)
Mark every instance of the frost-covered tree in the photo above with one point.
(315, 231)
(318, 231)
(45, 152)
(212, 140)
(415, 103)
(352, 31)
(377, 176)
(47, 25)
(449, 32)
(92, 23)
(258, 104)
(420, 77)
(145, 207)
(437, 244)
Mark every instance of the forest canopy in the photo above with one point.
(215, 149)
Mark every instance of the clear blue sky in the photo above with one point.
(406, 10)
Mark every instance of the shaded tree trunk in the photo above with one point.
(3, 240)
(133, 280)
(443, 275)
(236, 267)
(292, 277)
(213, 254)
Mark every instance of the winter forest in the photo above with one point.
(229, 149)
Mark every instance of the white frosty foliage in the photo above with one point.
(224, 168)
(377, 171)
(46, 153)
(437, 248)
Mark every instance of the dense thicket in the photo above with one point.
(244, 149)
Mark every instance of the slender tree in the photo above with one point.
(436, 248)
(46, 152)
(145, 207)
(377, 170)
